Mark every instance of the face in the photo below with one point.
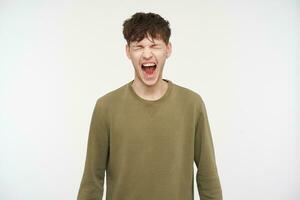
(148, 58)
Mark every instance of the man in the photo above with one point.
(147, 134)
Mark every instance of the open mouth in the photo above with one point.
(149, 68)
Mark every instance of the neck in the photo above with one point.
(153, 92)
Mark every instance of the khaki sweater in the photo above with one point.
(146, 149)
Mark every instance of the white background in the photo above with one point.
(58, 57)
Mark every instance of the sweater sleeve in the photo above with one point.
(208, 183)
(91, 186)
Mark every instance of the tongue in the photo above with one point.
(149, 70)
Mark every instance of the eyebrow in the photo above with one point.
(139, 45)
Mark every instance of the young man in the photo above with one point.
(147, 134)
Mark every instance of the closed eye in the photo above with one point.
(137, 47)
(155, 46)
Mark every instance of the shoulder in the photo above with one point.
(191, 100)
(112, 97)
(189, 95)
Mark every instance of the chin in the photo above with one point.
(150, 82)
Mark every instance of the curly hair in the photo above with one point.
(142, 25)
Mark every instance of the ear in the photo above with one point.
(169, 49)
(127, 51)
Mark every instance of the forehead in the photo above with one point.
(148, 40)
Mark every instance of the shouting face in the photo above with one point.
(148, 58)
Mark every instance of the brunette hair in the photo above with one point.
(142, 25)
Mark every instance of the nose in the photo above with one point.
(147, 54)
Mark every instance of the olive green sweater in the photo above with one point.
(147, 149)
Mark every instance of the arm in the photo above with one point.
(91, 187)
(207, 178)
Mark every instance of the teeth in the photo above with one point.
(149, 64)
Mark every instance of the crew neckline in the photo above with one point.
(162, 98)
